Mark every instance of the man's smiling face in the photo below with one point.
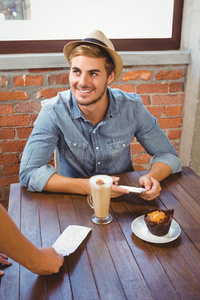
(88, 79)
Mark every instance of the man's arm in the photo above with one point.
(61, 184)
(164, 159)
(159, 171)
(14, 244)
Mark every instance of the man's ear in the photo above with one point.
(111, 77)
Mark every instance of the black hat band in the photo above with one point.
(95, 41)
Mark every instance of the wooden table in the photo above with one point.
(112, 262)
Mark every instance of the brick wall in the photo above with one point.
(21, 91)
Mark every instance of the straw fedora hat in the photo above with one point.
(98, 38)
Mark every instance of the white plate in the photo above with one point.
(133, 189)
(140, 229)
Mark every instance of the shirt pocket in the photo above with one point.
(120, 147)
(76, 151)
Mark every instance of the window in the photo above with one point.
(132, 25)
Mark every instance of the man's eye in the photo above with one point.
(94, 74)
(76, 71)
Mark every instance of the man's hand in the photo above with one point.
(117, 191)
(3, 260)
(152, 185)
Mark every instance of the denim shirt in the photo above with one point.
(85, 149)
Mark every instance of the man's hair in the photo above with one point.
(91, 50)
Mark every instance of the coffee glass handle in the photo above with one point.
(89, 200)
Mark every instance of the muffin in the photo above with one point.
(158, 221)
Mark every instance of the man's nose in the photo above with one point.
(83, 80)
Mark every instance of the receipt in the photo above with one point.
(133, 189)
(70, 239)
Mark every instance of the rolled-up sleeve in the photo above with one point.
(40, 177)
(169, 159)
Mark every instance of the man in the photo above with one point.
(41, 261)
(92, 128)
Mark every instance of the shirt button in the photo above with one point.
(74, 144)
(124, 145)
(94, 131)
(99, 162)
(97, 148)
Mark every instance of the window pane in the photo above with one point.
(12, 10)
(54, 20)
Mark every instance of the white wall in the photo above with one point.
(190, 40)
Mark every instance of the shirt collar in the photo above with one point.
(75, 110)
(112, 110)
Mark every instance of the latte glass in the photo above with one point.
(99, 200)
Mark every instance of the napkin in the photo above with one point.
(70, 239)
